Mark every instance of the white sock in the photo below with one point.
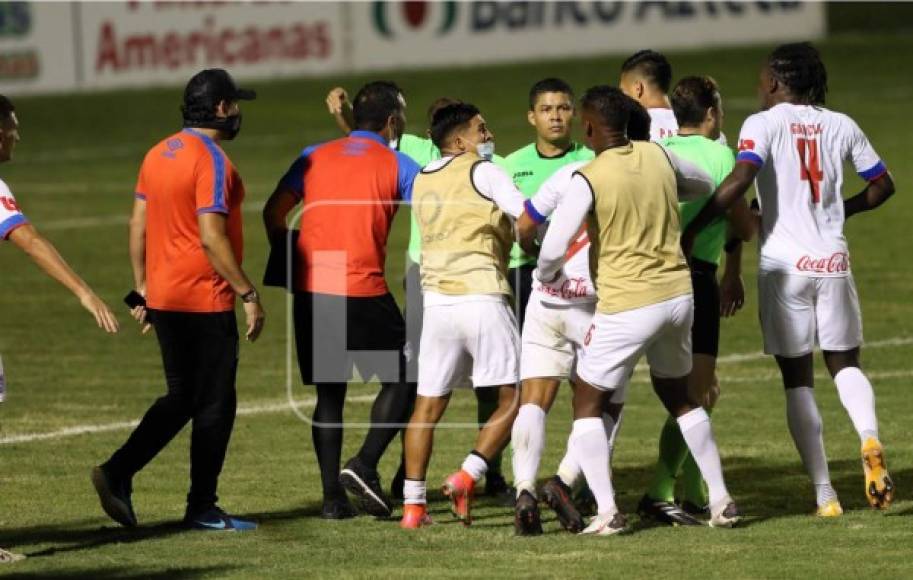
(858, 399)
(591, 448)
(475, 465)
(805, 426)
(414, 492)
(569, 469)
(698, 434)
(528, 441)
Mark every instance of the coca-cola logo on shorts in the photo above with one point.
(837, 263)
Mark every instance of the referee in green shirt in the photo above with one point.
(698, 109)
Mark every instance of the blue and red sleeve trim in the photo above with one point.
(531, 212)
(874, 172)
(750, 157)
(11, 223)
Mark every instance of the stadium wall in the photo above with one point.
(71, 46)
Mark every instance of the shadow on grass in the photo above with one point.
(77, 538)
(117, 573)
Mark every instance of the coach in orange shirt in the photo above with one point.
(344, 313)
(185, 248)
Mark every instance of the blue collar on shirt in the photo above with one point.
(369, 135)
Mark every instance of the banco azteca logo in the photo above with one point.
(394, 18)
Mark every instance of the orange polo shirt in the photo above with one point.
(183, 176)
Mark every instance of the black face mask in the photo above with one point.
(228, 126)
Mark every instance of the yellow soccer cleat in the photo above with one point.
(831, 509)
(879, 489)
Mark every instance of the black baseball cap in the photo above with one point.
(212, 85)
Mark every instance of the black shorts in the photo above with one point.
(705, 333)
(334, 334)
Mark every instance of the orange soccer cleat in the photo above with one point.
(879, 489)
(460, 488)
(415, 516)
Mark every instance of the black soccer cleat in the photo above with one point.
(364, 483)
(526, 516)
(694, 509)
(665, 512)
(114, 495)
(558, 497)
(337, 509)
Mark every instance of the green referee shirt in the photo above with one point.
(717, 160)
(529, 169)
(423, 152)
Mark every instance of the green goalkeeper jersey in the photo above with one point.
(529, 169)
(717, 160)
(422, 151)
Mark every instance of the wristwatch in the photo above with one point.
(250, 296)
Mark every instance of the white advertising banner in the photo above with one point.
(36, 46)
(157, 42)
(418, 34)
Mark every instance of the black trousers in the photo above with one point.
(200, 356)
(521, 282)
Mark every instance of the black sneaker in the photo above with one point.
(114, 495)
(496, 487)
(665, 512)
(526, 515)
(558, 497)
(585, 501)
(338, 509)
(396, 486)
(214, 519)
(364, 484)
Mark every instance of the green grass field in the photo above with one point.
(74, 174)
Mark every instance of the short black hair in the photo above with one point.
(610, 104)
(799, 67)
(448, 119)
(691, 98)
(549, 85)
(6, 108)
(374, 104)
(638, 122)
(652, 65)
(438, 104)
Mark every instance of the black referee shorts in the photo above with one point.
(334, 334)
(705, 333)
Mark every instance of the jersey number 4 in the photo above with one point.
(811, 166)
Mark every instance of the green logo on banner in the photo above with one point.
(413, 15)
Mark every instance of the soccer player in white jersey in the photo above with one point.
(794, 151)
(646, 77)
(15, 227)
(464, 205)
(558, 316)
(629, 198)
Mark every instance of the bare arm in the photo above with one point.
(732, 288)
(275, 213)
(45, 255)
(732, 188)
(875, 193)
(219, 252)
(137, 245)
(526, 232)
(742, 223)
(339, 106)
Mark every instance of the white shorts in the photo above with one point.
(467, 341)
(615, 343)
(796, 311)
(552, 337)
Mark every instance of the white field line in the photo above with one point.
(269, 408)
(243, 410)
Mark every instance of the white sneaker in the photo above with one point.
(607, 524)
(725, 514)
(9, 557)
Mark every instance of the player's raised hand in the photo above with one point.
(255, 319)
(104, 317)
(337, 99)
